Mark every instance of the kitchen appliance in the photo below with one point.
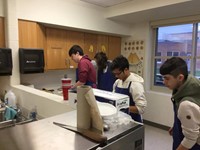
(5, 61)
(31, 60)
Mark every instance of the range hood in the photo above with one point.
(31, 60)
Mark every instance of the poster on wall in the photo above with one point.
(134, 51)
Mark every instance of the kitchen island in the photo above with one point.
(44, 135)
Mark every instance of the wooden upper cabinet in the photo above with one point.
(74, 38)
(114, 46)
(56, 53)
(31, 34)
(90, 44)
(2, 33)
(102, 43)
(57, 42)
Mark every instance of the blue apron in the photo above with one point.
(87, 82)
(136, 117)
(106, 80)
(177, 132)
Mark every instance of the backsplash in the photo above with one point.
(48, 79)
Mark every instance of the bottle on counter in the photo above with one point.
(10, 99)
(33, 113)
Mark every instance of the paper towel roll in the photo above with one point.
(97, 121)
(88, 114)
(83, 108)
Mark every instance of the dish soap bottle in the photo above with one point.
(10, 99)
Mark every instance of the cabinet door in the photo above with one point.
(2, 33)
(74, 38)
(31, 34)
(114, 46)
(90, 44)
(56, 49)
(102, 43)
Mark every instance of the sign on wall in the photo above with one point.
(134, 52)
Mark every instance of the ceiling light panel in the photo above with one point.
(105, 3)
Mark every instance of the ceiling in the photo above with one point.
(188, 8)
(106, 3)
(184, 9)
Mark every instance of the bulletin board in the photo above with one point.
(134, 51)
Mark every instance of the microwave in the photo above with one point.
(6, 64)
(31, 60)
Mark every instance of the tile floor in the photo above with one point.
(157, 139)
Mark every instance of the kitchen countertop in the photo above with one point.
(44, 135)
(28, 98)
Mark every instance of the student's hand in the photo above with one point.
(181, 147)
(73, 87)
(170, 131)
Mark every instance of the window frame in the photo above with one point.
(192, 57)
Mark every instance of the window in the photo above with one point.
(177, 40)
(172, 53)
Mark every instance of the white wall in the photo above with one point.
(139, 5)
(48, 79)
(69, 13)
(11, 40)
(47, 104)
(1, 8)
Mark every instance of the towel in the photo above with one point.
(10, 113)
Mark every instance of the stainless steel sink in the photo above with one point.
(6, 124)
(19, 119)
(11, 123)
(2, 110)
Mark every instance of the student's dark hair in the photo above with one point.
(101, 60)
(74, 49)
(120, 63)
(174, 66)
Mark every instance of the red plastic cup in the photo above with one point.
(65, 89)
(66, 80)
(66, 85)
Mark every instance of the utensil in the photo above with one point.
(106, 127)
(84, 132)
